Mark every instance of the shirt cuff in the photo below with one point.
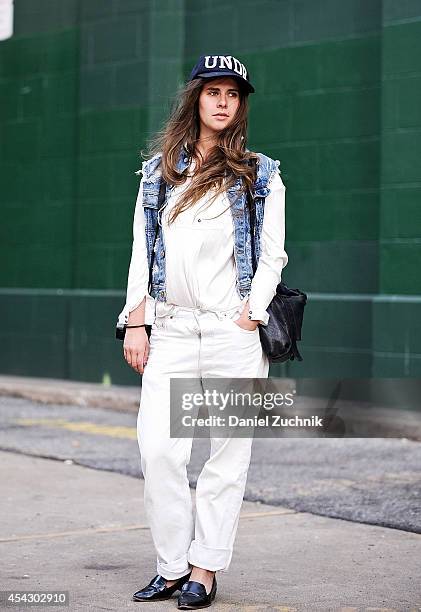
(258, 314)
(123, 317)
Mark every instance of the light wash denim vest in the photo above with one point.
(151, 170)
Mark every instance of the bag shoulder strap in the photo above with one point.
(252, 217)
(161, 199)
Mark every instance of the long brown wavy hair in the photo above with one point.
(226, 161)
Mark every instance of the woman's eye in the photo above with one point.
(232, 93)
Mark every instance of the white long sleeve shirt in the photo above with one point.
(199, 256)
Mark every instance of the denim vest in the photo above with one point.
(266, 168)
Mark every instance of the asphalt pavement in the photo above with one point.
(371, 480)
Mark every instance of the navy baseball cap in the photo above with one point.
(210, 66)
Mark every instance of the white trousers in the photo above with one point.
(193, 343)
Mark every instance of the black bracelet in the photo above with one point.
(127, 326)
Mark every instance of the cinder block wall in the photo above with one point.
(83, 84)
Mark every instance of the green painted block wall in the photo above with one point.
(84, 83)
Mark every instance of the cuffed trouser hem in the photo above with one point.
(174, 570)
(212, 559)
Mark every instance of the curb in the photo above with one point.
(366, 421)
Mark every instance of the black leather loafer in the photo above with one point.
(193, 595)
(157, 589)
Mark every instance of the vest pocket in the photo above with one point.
(150, 199)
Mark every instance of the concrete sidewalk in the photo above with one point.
(67, 527)
(71, 392)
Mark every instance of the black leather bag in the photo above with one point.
(279, 337)
(120, 330)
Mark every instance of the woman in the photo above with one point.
(205, 305)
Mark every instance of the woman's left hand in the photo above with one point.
(246, 324)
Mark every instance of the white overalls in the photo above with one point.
(194, 336)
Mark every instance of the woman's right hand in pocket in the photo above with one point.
(136, 348)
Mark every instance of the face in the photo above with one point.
(218, 103)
